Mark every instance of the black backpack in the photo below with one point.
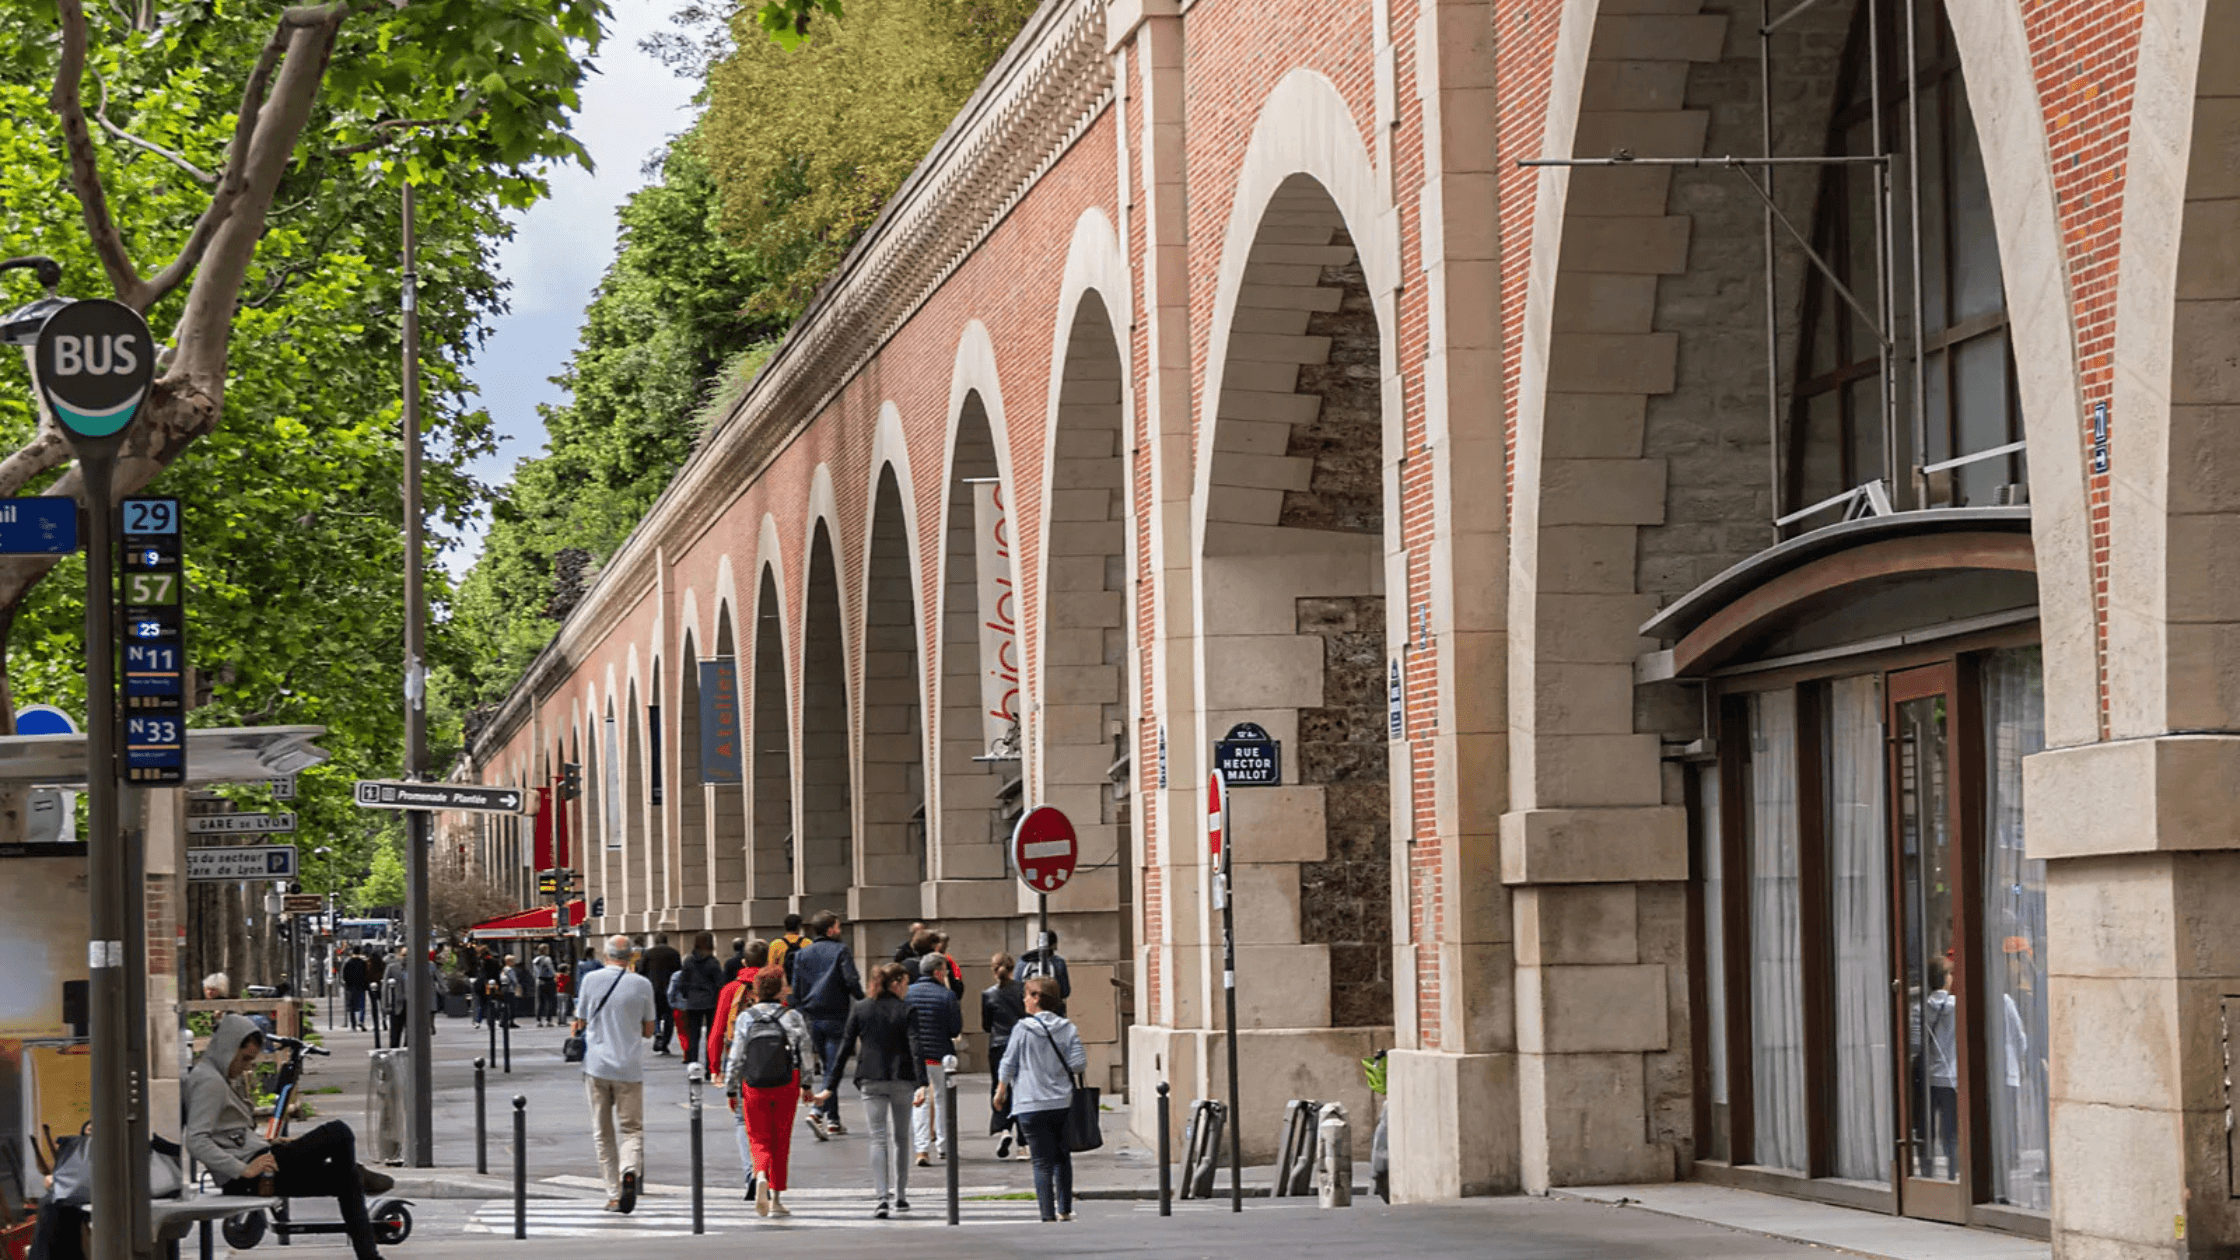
(766, 1057)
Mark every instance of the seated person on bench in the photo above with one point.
(222, 1135)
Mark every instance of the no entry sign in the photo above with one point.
(1217, 812)
(1043, 849)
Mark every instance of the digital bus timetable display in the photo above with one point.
(152, 590)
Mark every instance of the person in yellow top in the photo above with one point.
(782, 949)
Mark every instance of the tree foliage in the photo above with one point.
(794, 156)
(260, 154)
(807, 144)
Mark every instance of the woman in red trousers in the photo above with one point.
(767, 1073)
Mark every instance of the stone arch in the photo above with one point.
(1086, 657)
(1292, 538)
(825, 853)
(770, 751)
(2173, 622)
(893, 744)
(681, 731)
(969, 826)
(641, 838)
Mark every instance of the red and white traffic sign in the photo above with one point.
(1217, 811)
(1044, 849)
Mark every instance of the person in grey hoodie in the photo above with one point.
(1035, 1080)
(221, 1134)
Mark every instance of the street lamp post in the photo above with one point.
(420, 1121)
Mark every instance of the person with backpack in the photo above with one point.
(768, 1075)
(783, 949)
(1002, 1005)
(547, 977)
(1043, 960)
(935, 1025)
(1035, 1081)
(825, 986)
(737, 996)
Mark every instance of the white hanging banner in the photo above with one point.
(999, 614)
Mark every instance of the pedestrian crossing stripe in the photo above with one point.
(588, 1219)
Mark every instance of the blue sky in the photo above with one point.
(564, 243)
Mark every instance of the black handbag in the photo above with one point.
(573, 1049)
(1084, 1123)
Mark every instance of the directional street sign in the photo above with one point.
(40, 525)
(387, 794)
(248, 861)
(303, 903)
(282, 789)
(241, 825)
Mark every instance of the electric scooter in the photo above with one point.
(392, 1217)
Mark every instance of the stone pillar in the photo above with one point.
(2142, 848)
(1451, 1084)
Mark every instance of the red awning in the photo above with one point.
(529, 924)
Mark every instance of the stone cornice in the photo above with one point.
(1040, 98)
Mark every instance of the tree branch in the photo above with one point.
(101, 115)
(85, 175)
(395, 126)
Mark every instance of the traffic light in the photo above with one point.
(571, 780)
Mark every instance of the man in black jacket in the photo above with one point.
(657, 965)
(936, 1022)
(824, 984)
(354, 986)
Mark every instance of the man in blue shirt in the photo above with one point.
(825, 985)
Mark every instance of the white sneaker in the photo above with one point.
(762, 1197)
(778, 1205)
(817, 1126)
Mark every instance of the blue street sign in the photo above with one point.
(44, 719)
(41, 525)
(1249, 757)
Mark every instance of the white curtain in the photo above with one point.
(1714, 930)
(1776, 963)
(1859, 921)
(2014, 936)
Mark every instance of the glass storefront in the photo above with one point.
(1874, 936)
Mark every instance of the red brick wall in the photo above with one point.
(2085, 55)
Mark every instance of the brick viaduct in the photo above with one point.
(1291, 382)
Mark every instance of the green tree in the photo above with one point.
(807, 144)
(270, 180)
(384, 882)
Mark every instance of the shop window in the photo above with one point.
(1777, 1050)
(2014, 936)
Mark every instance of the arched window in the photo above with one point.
(1965, 403)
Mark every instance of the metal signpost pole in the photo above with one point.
(92, 363)
(113, 1073)
(421, 1004)
(1218, 811)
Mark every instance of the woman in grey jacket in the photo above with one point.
(221, 1134)
(1036, 1082)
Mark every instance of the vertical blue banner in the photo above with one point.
(720, 759)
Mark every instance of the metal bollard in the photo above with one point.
(520, 1166)
(1335, 1139)
(696, 1080)
(481, 1122)
(949, 1129)
(1295, 1150)
(493, 1025)
(507, 1033)
(1166, 1153)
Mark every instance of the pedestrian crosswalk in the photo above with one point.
(670, 1215)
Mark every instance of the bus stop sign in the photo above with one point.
(1043, 849)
